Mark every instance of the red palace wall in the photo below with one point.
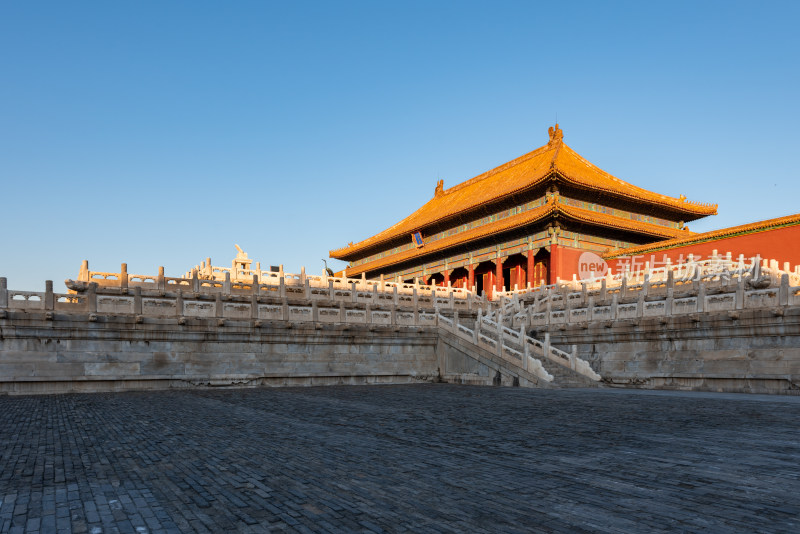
(782, 244)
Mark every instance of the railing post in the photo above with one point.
(282, 287)
(3, 292)
(640, 304)
(330, 290)
(161, 281)
(254, 307)
(285, 306)
(525, 350)
(91, 297)
(614, 305)
(179, 303)
(83, 275)
(549, 307)
(255, 287)
(701, 297)
(303, 275)
(546, 345)
(195, 282)
(395, 298)
(353, 292)
(123, 276)
(573, 357)
(394, 314)
(740, 293)
(306, 287)
(499, 340)
(603, 290)
(226, 285)
(783, 294)
(49, 301)
(342, 313)
(218, 311)
(314, 311)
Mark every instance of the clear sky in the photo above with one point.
(159, 133)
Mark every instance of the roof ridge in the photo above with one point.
(675, 201)
(500, 168)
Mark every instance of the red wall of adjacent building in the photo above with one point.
(782, 244)
(564, 262)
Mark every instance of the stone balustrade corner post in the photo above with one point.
(3, 292)
(49, 300)
(123, 276)
(783, 294)
(91, 297)
(226, 285)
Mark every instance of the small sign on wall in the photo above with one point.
(416, 237)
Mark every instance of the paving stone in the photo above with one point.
(422, 458)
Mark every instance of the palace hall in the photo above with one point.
(525, 222)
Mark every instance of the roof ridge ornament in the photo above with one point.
(556, 135)
(439, 191)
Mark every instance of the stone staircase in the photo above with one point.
(519, 352)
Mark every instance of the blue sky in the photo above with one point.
(159, 133)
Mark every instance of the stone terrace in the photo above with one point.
(433, 457)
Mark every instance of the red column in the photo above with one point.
(555, 263)
(498, 284)
(471, 277)
(531, 265)
(446, 277)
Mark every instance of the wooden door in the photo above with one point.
(539, 274)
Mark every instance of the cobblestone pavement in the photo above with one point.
(436, 458)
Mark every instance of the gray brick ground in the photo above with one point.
(435, 458)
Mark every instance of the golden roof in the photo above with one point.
(551, 208)
(760, 226)
(523, 173)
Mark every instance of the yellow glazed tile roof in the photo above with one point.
(552, 207)
(554, 159)
(760, 226)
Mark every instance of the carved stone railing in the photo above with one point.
(533, 346)
(718, 270)
(669, 300)
(517, 358)
(183, 306)
(280, 284)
